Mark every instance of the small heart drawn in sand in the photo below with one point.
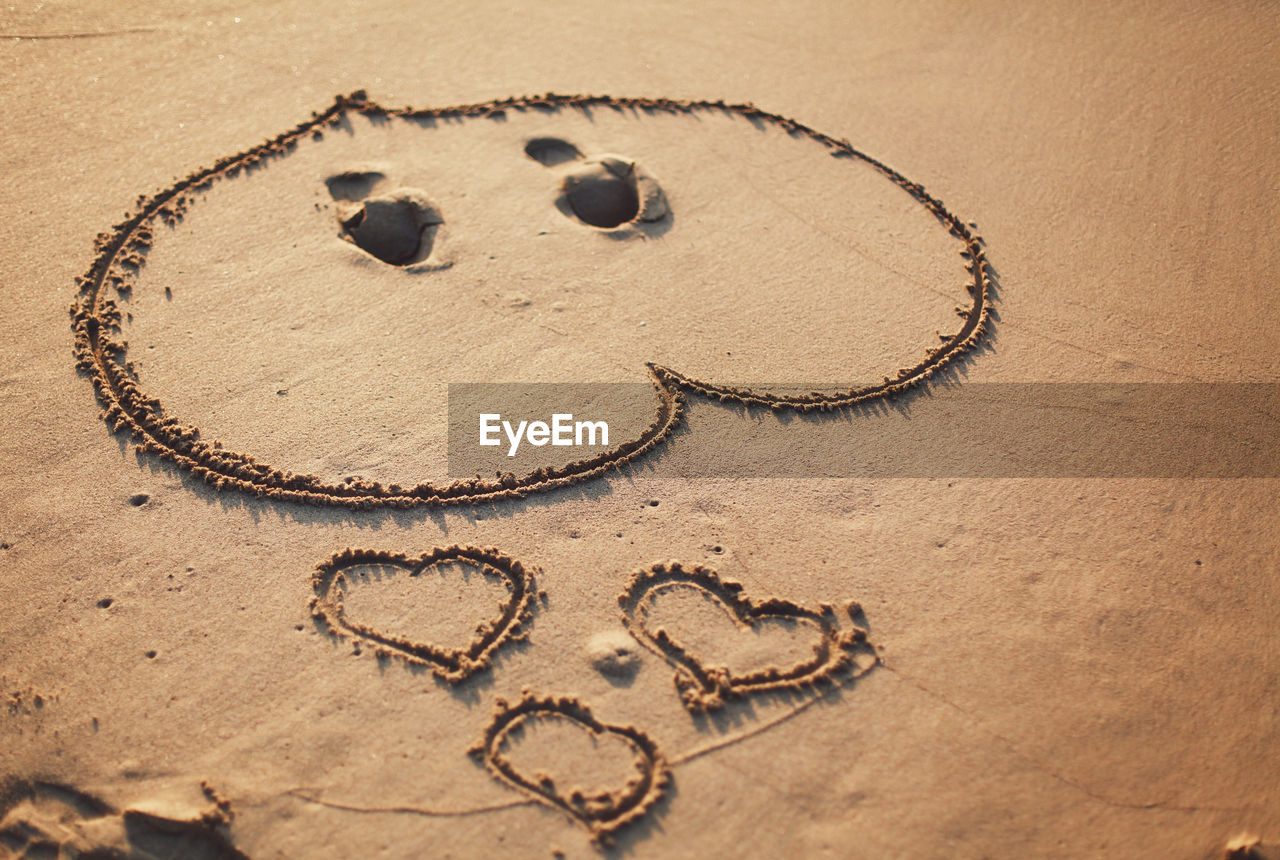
(450, 664)
(602, 812)
(705, 684)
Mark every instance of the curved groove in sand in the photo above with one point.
(604, 813)
(121, 253)
(705, 685)
(454, 665)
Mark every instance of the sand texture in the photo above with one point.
(261, 599)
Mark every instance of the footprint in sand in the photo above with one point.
(40, 819)
(396, 225)
(607, 191)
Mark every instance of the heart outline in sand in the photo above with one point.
(449, 664)
(120, 254)
(704, 686)
(602, 814)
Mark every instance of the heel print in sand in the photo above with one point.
(608, 191)
(334, 576)
(602, 810)
(396, 225)
(704, 682)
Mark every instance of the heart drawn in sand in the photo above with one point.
(706, 685)
(450, 664)
(602, 812)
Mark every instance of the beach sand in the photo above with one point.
(288, 639)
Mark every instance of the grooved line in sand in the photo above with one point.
(121, 253)
(452, 665)
(704, 686)
(603, 813)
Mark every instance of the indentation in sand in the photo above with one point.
(602, 810)
(603, 193)
(551, 151)
(398, 226)
(353, 185)
(610, 191)
(507, 623)
(40, 820)
(699, 622)
(707, 679)
(606, 191)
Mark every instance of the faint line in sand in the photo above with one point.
(408, 810)
(980, 723)
(824, 694)
(87, 34)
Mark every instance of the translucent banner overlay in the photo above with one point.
(992, 430)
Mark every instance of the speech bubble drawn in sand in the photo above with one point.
(393, 259)
(603, 812)
(706, 683)
(508, 624)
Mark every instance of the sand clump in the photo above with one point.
(614, 654)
